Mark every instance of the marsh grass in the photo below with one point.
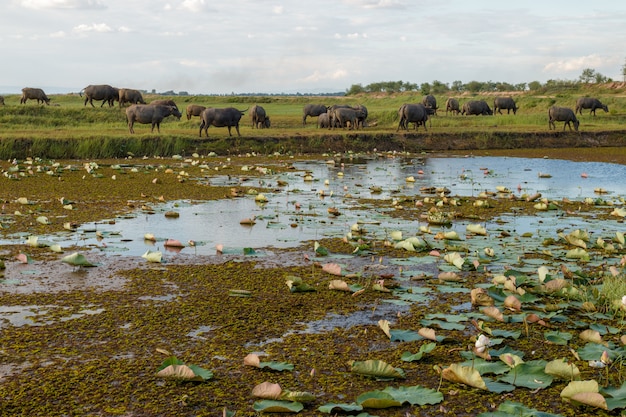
(69, 129)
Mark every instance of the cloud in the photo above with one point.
(62, 4)
(58, 34)
(377, 4)
(194, 6)
(94, 27)
(318, 76)
(575, 64)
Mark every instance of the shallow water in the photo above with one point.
(299, 211)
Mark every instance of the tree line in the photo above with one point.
(587, 76)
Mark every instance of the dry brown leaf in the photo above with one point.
(252, 359)
(427, 333)
(332, 268)
(267, 390)
(513, 303)
(338, 284)
(480, 297)
(494, 313)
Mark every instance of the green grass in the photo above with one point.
(68, 119)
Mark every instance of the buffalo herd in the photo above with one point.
(329, 117)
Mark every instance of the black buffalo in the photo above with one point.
(227, 117)
(452, 105)
(589, 103)
(34, 94)
(562, 114)
(103, 92)
(194, 110)
(476, 107)
(259, 117)
(413, 113)
(312, 110)
(148, 113)
(504, 103)
(430, 102)
(128, 95)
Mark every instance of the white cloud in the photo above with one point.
(574, 64)
(62, 4)
(58, 34)
(378, 4)
(94, 27)
(318, 76)
(194, 6)
(278, 9)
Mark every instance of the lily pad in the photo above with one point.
(277, 406)
(378, 369)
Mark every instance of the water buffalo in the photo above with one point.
(194, 110)
(323, 121)
(34, 94)
(430, 102)
(128, 95)
(504, 103)
(452, 105)
(476, 107)
(259, 117)
(1, 100)
(103, 92)
(562, 114)
(344, 116)
(171, 103)
(589, 103)
(227, 117)
(412, 113)
(312, 110)
(361, 114)
(148, 113)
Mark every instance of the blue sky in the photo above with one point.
(236, 46)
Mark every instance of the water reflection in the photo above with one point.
(298, 211)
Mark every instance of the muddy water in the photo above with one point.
(298, 211)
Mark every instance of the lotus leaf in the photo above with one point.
(415, 395)
(276, 406)
(406, 245)
(267, 390)
(558, 338)
(376, 369)
(592, 336)
(328, 408)
(615, 397)
(454, 258)
(153, 256)
(173, 368)
(578, 253)
(560, 368)
(396, 235)
(584, 392)
(508, 409)
(476, 229)
(467, 375)
(332, 268)
(77, 259)
(297, 396)
(320, 250)
(338, 284)
(377, 399)
(412, 357)
(530, 375)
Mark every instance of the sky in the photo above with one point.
(306, 46)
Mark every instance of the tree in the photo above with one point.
(355, 89)
(624, 71)
(425, 88)
(534, 85)
(458, 86)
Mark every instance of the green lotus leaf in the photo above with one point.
(561, 369)
(249, 251)
(277, 366)
(425, 348)
(615, 397)
(328, 408)
(297, 396)
(397, 335)
(530, 375)
(577, 253)
(276, 406)
(320, 250)
(509, 408)
(415, 395)
(558, 338)
(376, 369)
(377, 399)
(77, 259)
(486, 367)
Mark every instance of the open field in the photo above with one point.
(79, 131)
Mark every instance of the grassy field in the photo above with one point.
(102, 132)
